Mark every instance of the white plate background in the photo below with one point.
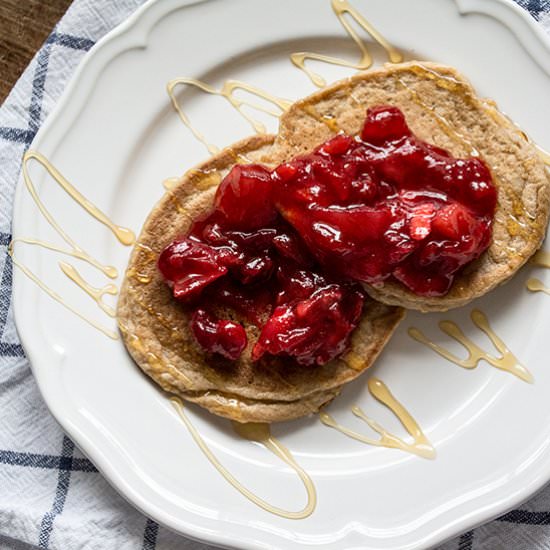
(115, 136)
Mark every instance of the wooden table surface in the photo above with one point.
(24, 25)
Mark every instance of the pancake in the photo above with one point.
(442, 108)
(155, 327)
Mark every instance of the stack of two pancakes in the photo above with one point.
(441, 108)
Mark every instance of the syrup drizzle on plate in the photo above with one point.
(95, 293)
(536, 285)
(57, 297)
(260, 433)
(540, 259)
(421, 446)
(124, 235)
(227, 91)
(341, 8)
(506, 360)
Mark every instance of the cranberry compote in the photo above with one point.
(284, 249)
(244, 259)
(386, 205)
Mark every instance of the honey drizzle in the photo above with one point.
(75, 251)
(152, 312)
(446, 82)
(170, 183)
(146, 249)
(443, 123)
(151, 258)
(57, 297)
(139, 277)
(176, 203)
(155, 362)
(536, 285)
(208, 179)
(543, 154)
(95, 293)
(507, 360)
(212, 177)
(78, 254)
(328, 120)
(123, 234)
(450, 83)
(259, 433)
(421, 446)
(341, 8)
(492, 109)
(227, 91)
(540, 259)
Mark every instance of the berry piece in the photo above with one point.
(384, 123)
(244, 197)
(189, 266)
(218, 336)
(312, 331)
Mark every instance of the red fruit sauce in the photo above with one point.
(285, 249)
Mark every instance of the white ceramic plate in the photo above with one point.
(115, 136)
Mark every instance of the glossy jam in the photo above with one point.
(218, 336)
(284, 249)
(387, 205)
(245, 261)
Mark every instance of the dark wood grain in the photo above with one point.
(24, 25)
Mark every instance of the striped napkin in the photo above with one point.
(51, 496)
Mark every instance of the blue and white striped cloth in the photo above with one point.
(50, 495)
